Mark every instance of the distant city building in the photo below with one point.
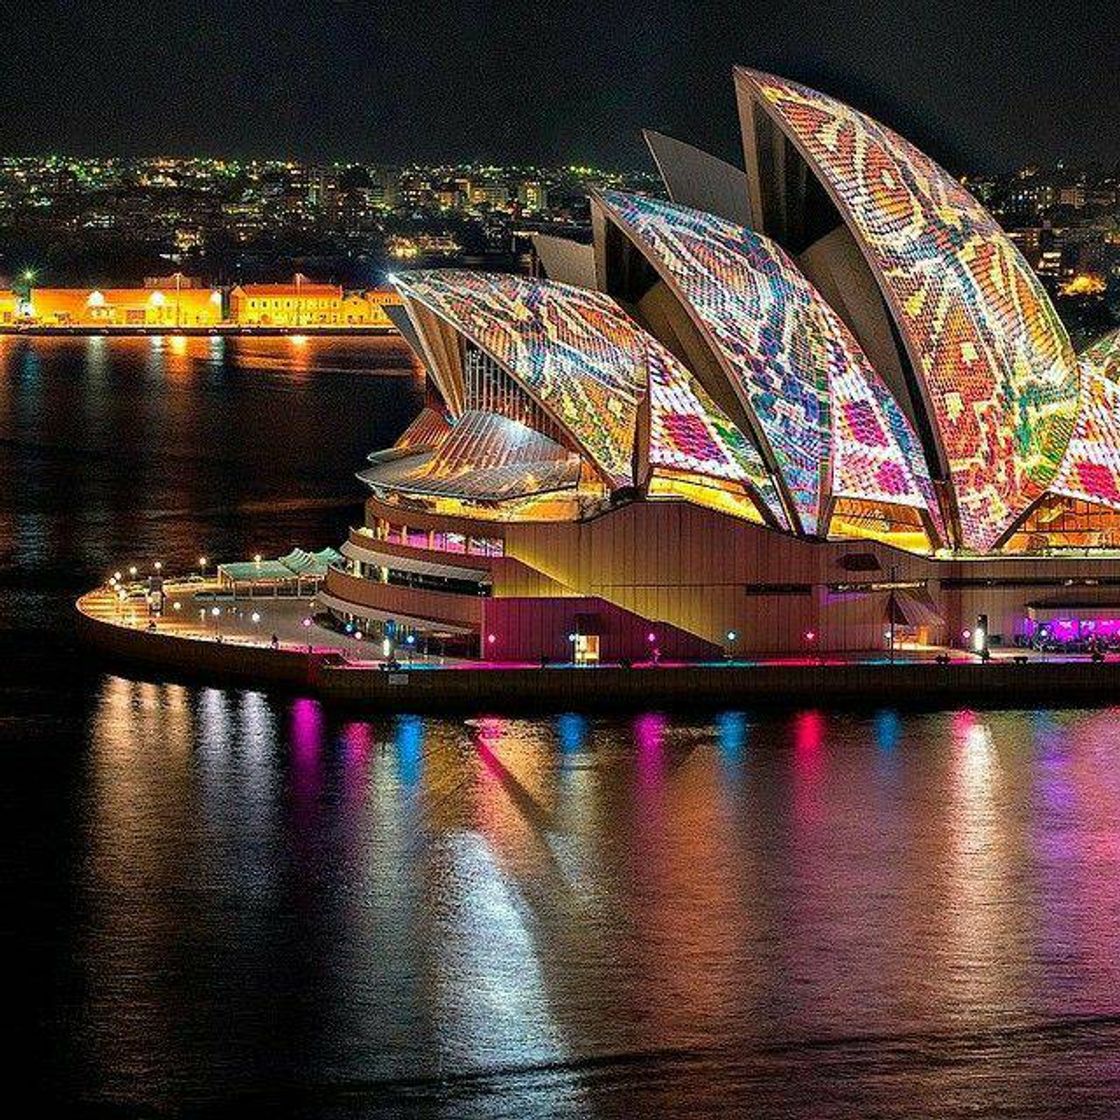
(494, 195)
(1051, 264)
(385, 187)
(1029, 242)
(422, 245)
(532, 195)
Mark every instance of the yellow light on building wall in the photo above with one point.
(96, 299)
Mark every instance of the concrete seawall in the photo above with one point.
(759, 684)
(172, 654)
(740, 685)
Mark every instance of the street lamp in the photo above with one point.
(202, 562)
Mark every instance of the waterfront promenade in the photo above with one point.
(230, 330)
(270, 640)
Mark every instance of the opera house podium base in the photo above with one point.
(328, 666)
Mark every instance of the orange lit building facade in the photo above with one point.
(286, 305)
(9, 307)
(126, 307)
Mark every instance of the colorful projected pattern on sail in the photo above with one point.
(1104, 356)
(995, 362)
(688, 432)
(1091, 470)
(574, 350)
(797, 368)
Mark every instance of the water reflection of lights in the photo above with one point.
(888, 729)
(409, 739)
(731, 735)
(571, 730)
(977, 863)
(488, 970)
(649, 735)
(307, 742)
(808, 770)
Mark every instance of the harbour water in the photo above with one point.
(223, 902)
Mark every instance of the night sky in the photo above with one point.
(983, 85)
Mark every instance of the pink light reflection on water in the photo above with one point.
(307, 727)
(488, 733)
(808, 767)
(649, 735)
(356, 741)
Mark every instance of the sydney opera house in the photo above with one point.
(801, 406)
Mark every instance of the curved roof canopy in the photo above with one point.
(573, 350)
(591, 367)
(830, 425)
(991, 359)
(483, 456)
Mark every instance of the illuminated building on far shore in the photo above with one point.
(301, 303)
(820, 402)
(126, 307)
(307, 304)
(10, 303)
